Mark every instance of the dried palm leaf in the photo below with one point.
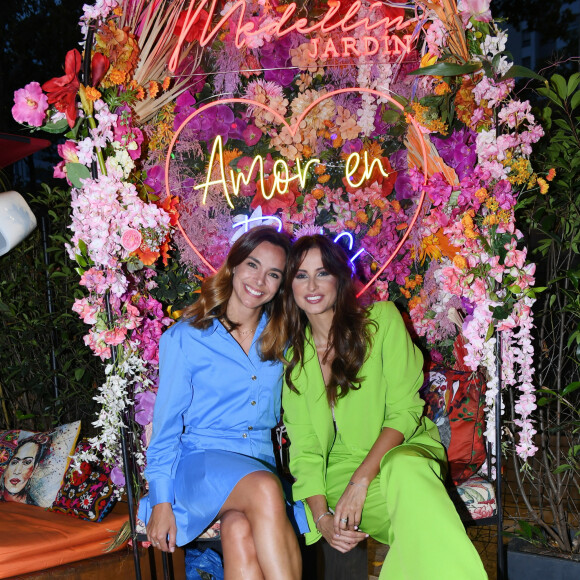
(446, 11)
(153, 22)
(427, 158)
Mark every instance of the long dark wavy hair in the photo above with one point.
(217, 290)
(351, 331)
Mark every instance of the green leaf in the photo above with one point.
(575, 101)
(573, 82)
(562, 468)
(517, 71)
(446, 69)
(79, 373)
(75, 172)
(58, 127)
(559, 83)
(571, 388)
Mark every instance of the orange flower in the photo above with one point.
(317, 193)
(146, 256)
(460, 262)
(402, 226)
(320, 169)
(166, 82)
(396, 205)
(153, 89)
(362, 217)
(92, 94)
(551, 174)
(140, 94)
(481, 194)
(350, 224)
(414, 302)
(405, 293)
(471, 233)
(543, 185)
(169, 204)
(442, 89)
(376, 229)
(323, 178)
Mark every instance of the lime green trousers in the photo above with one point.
(408, 508)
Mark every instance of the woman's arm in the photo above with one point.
(402, 377)
(173, 398)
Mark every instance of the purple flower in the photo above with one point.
(403, 185)
(156, 178)
(352, 146)
(30, 105)
(144, 403)
(275, 58)
(458, 151)
(467, 306)
(117, 476)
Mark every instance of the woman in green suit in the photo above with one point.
(365, 460)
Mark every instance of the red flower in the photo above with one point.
(62, 91)
(277, 201)
(99, 67)
(194, 32)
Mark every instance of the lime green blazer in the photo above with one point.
(388, 397)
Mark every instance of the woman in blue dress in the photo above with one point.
(211, 454)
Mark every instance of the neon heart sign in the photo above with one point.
(292, 129)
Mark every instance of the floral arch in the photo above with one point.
(390, 125)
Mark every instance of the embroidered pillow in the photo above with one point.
(455, 403)
(86, 494)
(8, 443)
(37, 465)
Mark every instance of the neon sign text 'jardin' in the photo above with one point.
(346, 23)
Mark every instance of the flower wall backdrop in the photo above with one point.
(429, 152)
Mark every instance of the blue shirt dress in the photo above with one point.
(215, 409)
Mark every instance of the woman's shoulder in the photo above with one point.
(184, 330)
(383, 311)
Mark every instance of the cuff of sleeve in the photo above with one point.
(407, 424)
(161, 491)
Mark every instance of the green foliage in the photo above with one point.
(33, 395)
(176, 286)
(549, 488)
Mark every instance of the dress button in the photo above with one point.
(245, 435)
(254, 377)
(253, 403)
(250, 428)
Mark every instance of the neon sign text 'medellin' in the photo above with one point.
(245, 30)
(281, 172)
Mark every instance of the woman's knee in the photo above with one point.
(235, 527)
(267, 492)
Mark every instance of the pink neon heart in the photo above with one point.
(292, 129)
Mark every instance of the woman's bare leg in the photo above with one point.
(240, 558)
(258, 496)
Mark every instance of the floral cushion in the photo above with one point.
(211, 533)
(477, 497)
(87, 494)
(37, 464)
(455, 403)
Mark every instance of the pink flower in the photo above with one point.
(30, 105)
(131, 239)
(115, 336)
(69, 152)
(251, 135)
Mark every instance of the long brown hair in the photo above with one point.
(217, 290)
(350, 333)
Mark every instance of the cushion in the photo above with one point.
(477, 497)
(8, 443)
(33, 539)
(87, 494)
(455, 403)
(37, 465)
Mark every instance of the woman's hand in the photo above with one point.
(348, 510)
(344, 541)
(161, 529)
